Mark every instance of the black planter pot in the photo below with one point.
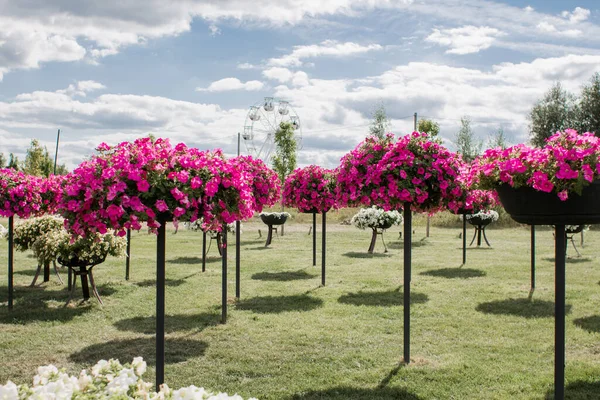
(77, 263)
(529, 206)
(479, 221)
(273, 219)
(386, 225)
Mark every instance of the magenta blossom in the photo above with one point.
(310, 189)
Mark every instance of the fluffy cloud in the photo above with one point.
(335, 113)
(331, 48)
(81, 88)
(578, 15)
(229, 84)
(283, 75)
(466, 39)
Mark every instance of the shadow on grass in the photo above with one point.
(590, 324)
(385, 299)
(279, 304)
(176, 350)
(350, 393)
(168, 282)
(193, 260)
(453, 273)
(247, 242)
(400, 244)
(358, 254)
(173, 323)
(570, 260)
(261, 247)
(521, 307)
(40, 305)
(283, 276)
(579, 390)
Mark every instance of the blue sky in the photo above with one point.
(189, 70)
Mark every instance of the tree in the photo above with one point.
(466, 143)
(498, 139)
(589, 106)
(13, 162)
(430, 127)
(381, 124)
(38, 161)
(556, 111)
(284, 160)
(2, 160)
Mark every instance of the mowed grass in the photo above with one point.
(476, 334)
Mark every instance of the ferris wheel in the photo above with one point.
(262, 121)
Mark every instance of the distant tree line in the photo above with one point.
(37, 161)
(559, 109)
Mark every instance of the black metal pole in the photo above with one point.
(323, 246)
(314, 232)
(407, 277)
(56, 152)
(224, 277)
(559, 312)
(10, 261)
(237, 259)
(160, 303)
(128, 258)
(464, 238)
(203, 251)
(532, 257)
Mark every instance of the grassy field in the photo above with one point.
(476, 333)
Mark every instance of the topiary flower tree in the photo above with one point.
(312, 190)
(24, 196)
(153, 182)
(414, 174)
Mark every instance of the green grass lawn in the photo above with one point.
(475, 332)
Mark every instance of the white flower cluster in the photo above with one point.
(107, 379)
(484, 215)
(376, 218)
(3, 232)
(94, 247)
(27, 232)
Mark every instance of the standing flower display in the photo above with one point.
(151, 181)
(554, 185)
(312, 189)
(414, 173)
(20, 194)
(263, 181)
(377, 220)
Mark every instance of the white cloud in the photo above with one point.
(547, 27)
(529, 9)
(578, 15)
(465, 40)
(228, 84)
(330, 48)
(81, 88)
(283, 75)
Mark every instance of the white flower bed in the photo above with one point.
(375, 217)
(106, 379)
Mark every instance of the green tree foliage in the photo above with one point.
(556, 111)
(13, 162)
(284, 160)
(589, 106)
(429, 126)
(2, 160)
(498, 139)
(381, 124)
(466, 142)
(38, 161)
